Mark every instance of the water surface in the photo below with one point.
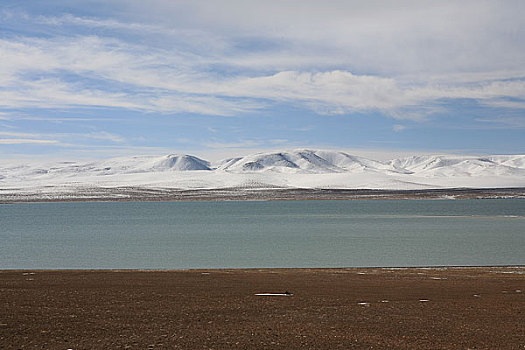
(342, 233)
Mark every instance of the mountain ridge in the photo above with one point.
(299, 168)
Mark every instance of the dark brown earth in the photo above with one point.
(467, 308)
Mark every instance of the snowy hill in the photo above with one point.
(287, 169)
(181, 163)
(305, 161)
(452, 166)
(115, 166)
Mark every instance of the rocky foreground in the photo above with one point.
(414, 308)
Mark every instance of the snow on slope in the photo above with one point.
(115, 166)
(287, 169)
(451, 166)
(305, 161)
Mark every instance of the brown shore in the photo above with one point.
(355, 308)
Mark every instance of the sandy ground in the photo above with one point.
(449, 308)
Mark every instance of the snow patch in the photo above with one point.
(274, 294)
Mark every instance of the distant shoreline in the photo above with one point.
(141, 194)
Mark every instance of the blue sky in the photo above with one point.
(93, 79)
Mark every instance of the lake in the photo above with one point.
(345, 233)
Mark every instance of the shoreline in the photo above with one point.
(361, 308)
(280, 269)
(137, 194)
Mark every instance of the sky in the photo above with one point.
(97, 79)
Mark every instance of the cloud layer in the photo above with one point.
(404, 61)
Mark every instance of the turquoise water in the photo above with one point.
(262, 234)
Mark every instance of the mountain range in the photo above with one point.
(301, 168)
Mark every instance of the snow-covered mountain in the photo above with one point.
(115, 166)
(288, 169)
(305, 161)
(452, 166)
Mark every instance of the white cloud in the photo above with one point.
(103, 135)
(21, 141)
(398, 127)
(60, 139)
(507, 104)
(401, 59)
(379, 36)
(17, 134)
(157, 87)
(504, 122)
